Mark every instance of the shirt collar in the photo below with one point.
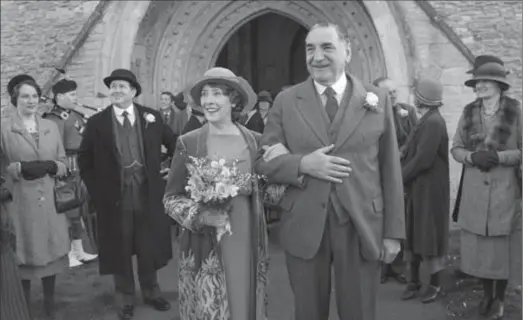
(339, 86)
(129, 109)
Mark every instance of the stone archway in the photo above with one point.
(176, 41)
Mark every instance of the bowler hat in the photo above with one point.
(227, 77)
(126, 75)
(264, 96)
(491, 71)
(429, 92)
(16, 80)
(481, 60)
(64, 86)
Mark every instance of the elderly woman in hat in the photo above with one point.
(33, 154)
(425, 169)
(488, 144)
(226, 279)
(257, 117)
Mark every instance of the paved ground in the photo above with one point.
(281, 299)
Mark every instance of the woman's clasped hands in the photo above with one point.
(32, 170)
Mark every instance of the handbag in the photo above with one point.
(67, 193)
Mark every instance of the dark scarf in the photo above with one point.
(497, 137)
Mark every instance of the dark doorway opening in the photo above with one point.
(268, 51)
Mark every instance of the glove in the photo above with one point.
(37, 169)
(485, 160)
(33, 170)
(50, 166)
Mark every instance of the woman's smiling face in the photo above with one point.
(216, 104)
(28, 100)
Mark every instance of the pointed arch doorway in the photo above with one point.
(177, 41)
(269, 51)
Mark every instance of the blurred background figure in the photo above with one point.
(257, 117)
(425, 169)
(71, 123)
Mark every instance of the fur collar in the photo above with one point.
(498, 135)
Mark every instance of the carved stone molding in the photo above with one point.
(197, 31)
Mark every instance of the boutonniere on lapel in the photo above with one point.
(149, 118)
(372, 102)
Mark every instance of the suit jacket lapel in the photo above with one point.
(354, 112)
(110, 132)
(312, 111)
(143, 127)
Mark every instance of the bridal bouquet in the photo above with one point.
(212, 184)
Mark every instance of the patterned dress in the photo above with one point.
(226, 280)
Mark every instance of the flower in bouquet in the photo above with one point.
(212, 184)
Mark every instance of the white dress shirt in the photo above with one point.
(130, 114)
(338, 87)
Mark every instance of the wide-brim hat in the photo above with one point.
(429, 92)
(483, 59)
(491, 71)
(17, 80)
(126, 75)
(227, 77)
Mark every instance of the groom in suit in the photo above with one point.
(331, 139)
(119, 161)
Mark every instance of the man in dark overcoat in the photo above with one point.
(119, 161)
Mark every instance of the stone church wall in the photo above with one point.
(36, 34)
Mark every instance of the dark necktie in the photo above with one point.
(331, 106)
(126, 122)
(166, 115)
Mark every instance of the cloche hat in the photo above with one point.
(429, 92)
(492, 71)
(481, 60)
(16, 80)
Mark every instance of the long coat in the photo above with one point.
(490, 200)
(372, 195)
(101, 171)
(425, 169)
(42, 235)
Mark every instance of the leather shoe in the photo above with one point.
(126, 313)
(158, 303)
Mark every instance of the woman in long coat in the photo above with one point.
(33, 152)
(425, 168)
(223, 280)
(488, 143)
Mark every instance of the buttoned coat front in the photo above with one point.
(42, 235)
(491, 201)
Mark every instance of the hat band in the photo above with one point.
(426, 101)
